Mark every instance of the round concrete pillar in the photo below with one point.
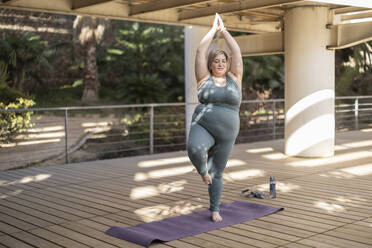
(193, 36)
(309, 83)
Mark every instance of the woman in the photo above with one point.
(215, 122)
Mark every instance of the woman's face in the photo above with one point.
(219, 65)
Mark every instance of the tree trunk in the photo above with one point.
(19, 77)
(90, 83)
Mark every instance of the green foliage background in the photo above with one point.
(144, 63)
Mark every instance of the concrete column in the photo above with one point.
(193, 36)
(309, 83)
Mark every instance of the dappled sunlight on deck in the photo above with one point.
(243, 174)
(151, 191)
(275, 156)
(350, 172)
(260, 150)
(176, 169)
(338, 158)
(142, 176)
(162, 211)
(164, 161)
(358, 144)
(12, 193)
(282, 187)
(234, 163)
(329, 207)
(27, 179)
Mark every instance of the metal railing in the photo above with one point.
(76, 134)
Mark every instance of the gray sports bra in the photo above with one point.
(229, 96)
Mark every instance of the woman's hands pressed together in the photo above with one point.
(218, 23)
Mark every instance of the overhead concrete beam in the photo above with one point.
(232, 7)
(258, 44)
(161, 5)
(344, 10)
(78, 4)
(355, 3)
(116, 9)
(347, 35)
(362, 15)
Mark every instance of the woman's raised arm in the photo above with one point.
(201, 64)
(236, 66)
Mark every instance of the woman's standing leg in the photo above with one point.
(217, 161)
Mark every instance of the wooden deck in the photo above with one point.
(327, 201)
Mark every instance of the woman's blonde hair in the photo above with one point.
(213, 54)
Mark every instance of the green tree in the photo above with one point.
(145, 52)
(88, 31)
(263, 74)
(22, 53)
(354, 70)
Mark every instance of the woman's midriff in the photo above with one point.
(221, 121)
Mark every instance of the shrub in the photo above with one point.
(14, 122)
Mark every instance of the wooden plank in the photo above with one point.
(50, 208)
(57, 238)
(34, 240)
(181, 244)
(30, 211)
(339, 242)
(11, 242)
(104, 227)
(289, 202)
(281, 228)
(10, 220)
(357, 231)
(155, 199)
(75, 200)
(35, 220)
(222, 241)
(269, 234)
(330, 219)
(98, 235)
(363, 223)
(239, 238)
(296, 245)
(201, 242)
(351, 236)
(6, 228)
(292, 224)
(66, 202)
(96, 199)
(79, 237)
(302, 221)
(94, 225)
(316, 243)
(256, 238)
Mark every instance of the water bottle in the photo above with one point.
(272, 187)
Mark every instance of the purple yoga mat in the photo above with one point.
(191, 224)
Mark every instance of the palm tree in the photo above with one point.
(22, 53)
(88, 31)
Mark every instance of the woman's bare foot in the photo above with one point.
(207, 179)
(216, 217)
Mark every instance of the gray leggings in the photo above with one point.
(207, 150)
